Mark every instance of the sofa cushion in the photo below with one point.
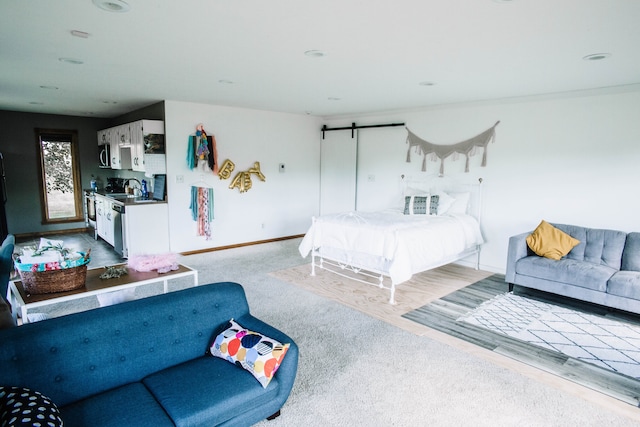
(625, 284)
(207, 391)
(550, 242)
(129, 405)
(22, 407)
(572, 272)
(598, 246)
(253, 351)
(631, 254)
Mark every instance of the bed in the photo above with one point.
(439, 224)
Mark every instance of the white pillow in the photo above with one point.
(444, 203)
(461, 203)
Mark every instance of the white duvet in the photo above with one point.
(389, 241)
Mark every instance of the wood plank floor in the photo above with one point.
(442, 314)
(422, 289)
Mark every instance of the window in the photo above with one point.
(60, 192)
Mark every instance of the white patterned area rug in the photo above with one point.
(610, 344)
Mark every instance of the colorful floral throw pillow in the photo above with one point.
(250, 350)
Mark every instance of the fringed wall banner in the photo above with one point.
(202, 209)
(441, 152)
(202, 147)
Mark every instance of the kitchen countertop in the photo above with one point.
(128, 200)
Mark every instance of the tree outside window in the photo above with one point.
(60, 195)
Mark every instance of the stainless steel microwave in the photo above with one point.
(104, 159)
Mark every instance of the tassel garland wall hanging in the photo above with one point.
(467, 148)
(202, 150)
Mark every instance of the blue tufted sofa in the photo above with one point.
(603, 269)
(144, 362)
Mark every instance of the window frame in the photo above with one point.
(75, 168)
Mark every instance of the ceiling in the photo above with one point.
(379, 55)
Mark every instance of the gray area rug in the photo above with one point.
(468, 314)
(608, 343)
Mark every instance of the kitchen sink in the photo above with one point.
(145, 201)
(119, 195)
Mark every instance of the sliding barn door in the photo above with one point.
(338, 167)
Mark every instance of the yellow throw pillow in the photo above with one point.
(550, 242)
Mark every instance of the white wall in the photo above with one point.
(569, 160)
(281, 206)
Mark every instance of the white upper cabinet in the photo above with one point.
(130, 142)
(104, 137)
(137, 147)
(120, 146)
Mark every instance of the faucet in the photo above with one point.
(136, 190)
(136, 180)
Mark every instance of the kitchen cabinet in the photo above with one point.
(120, 143)
(104, 137)
(137, 147)
(104, 219)
(146, 228)
(145, 135)
(130, 142)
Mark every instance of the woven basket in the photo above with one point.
(72, 275)
(45, 282)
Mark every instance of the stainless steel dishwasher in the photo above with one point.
(119, 231)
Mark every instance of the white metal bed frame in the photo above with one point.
(339, 267)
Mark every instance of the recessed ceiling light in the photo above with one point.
(426, 83)
(333, 98)
(36, 103)
(71, 61)
(80, 34)
(112, 5)
(49, 87)
(315, 53)
(110, 102)
(225, 82)
(596, 56)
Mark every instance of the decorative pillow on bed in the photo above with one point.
(460, 204)
(421, 205)
(416, 205)
(249, 350)
(550, 242)
(24, 407)
(445, 202)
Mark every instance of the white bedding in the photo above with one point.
(389, 241)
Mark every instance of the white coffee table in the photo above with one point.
(23, 301)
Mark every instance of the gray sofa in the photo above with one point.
(145, 362)
(603, 269)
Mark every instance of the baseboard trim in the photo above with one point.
(28, 236)
(240, 245)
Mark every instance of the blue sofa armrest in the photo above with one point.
(6, 263)
(517, 249)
